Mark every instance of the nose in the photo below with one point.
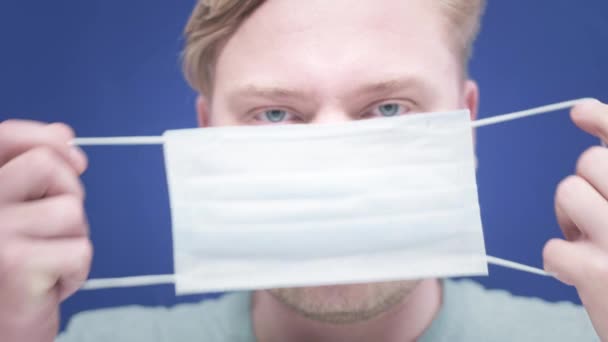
(332, 115)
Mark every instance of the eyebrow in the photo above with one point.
(390, 86)
(269, 92)
(378, 88)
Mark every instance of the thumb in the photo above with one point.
(575, 263)
(64, 263)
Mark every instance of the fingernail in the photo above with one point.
(591, 100)
(590, 103)
(61, 130)
(550, 272)
(559, 277)
(78, 158)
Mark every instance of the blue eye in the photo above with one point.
(389, 109)
(275, 115)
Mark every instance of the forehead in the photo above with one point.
(339, 40)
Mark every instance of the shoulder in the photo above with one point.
(223, 319)
(499, 313)
(514, 307)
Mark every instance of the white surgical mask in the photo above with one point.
(308, 205)
(303, 205)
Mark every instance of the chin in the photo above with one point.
(343, 304)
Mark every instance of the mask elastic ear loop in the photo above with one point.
(514, 116)
(159, 140)
(516, 266)
(109, 141)
(168, 279)
(526, 113)
(135, 281)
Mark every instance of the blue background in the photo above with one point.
(111, 68)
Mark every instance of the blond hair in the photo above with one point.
(213, 22)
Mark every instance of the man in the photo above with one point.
(285, 62)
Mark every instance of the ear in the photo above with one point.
(471, 98)
(202, 111)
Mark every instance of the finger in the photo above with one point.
(39, 268)
(37, 173)
(575, 263)
(73, 277)
(18, 136)
(592, 117)
(561, 260)
(585, 266)
(587, 209)
(593, 167)
(569, 229)
(55, 217)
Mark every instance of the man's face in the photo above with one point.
(318, 61)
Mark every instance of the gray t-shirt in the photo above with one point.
(469, 313)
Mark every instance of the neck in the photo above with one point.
(407, 321)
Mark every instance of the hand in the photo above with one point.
(581, 205)
(45, 253)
